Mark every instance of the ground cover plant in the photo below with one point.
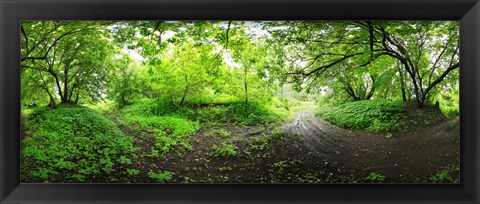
(240, 102)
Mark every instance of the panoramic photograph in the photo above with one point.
(274, 102)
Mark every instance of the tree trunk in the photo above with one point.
(65, 86)
(402, 84)
(185, 90)
(76, 97)
(51, 104)
(372, 90)
(245, 84)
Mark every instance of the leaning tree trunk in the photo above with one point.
(184, 90)
(245, 84)
(51, 104)
(402, 84)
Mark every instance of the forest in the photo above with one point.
(240, 101)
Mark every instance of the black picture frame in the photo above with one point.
(13, 11)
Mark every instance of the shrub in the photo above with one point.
(148, 107)
(373, 116)
(75, 142)
(253, 113)
(170, 131)
(224, 112)
(171, 125)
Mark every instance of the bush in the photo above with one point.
(381, 116)
(225, 112)
(232, 112)
(374, 116)
(75, 142)
(148, 107)
(171, 125)
(253, 113)
(169, 131)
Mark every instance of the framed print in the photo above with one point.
(239, 101)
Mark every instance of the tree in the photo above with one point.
(124, 80)
(428, 51)
(250, 55)
(72, 65)
(183, 73)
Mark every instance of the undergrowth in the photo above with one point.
(74, 144)
(448, 174)
(380, 116)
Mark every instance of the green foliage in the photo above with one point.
(281, 164)
(262, 142)
(253, 113)
(229, 112)
(448, 174)
(170, 131)
(146, 107)
(125, 84)
(343, 68)
(219, 133)
(223, 150)
(166, 143)
(374, 116)
(223, 133)
(76, 142)
(376, 177)
(389, 135)
(162, 177)
(169, 125)
(168, 79)
(72, 56)
(132, 172)
(258, 144)
(449, 96)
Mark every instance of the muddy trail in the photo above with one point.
(404, 155)
(305, 150)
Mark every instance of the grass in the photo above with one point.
(380, 116)
(73, 144)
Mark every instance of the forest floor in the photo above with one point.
(402, 156)
(306, 150)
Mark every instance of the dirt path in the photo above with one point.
(413, 154)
